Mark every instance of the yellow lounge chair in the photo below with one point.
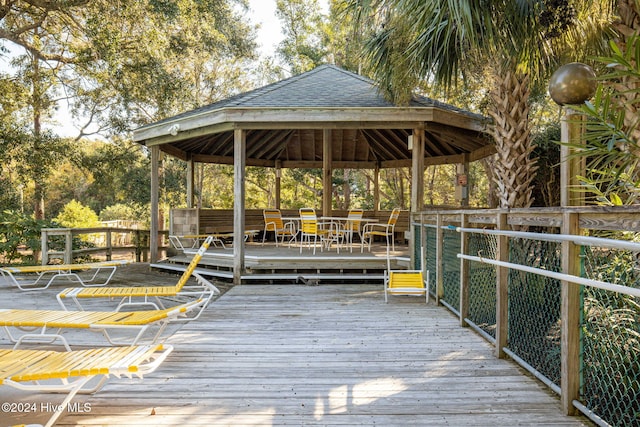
(146, 295)
(70, 372)
(123, 322)
(34, 277)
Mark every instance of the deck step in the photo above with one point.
(299, 277)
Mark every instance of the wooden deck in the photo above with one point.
(316, 355)
(287, 263)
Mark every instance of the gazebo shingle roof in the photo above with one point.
(284, 122)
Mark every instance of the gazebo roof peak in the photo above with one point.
(284, 124)
(326, 86)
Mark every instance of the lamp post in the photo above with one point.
(571, 84)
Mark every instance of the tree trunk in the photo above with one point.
(514, 167)
(37, 100)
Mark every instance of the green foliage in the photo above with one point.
(303, 27)
(76, 215)
(546, 184)
(122, 211)
(612, 338)
(17, 231)
(611, 146)
(158, 58)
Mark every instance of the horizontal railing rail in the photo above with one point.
(59, 243)
(554, 289)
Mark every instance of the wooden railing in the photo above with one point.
(205, 221)
(100, 241)
(482, 260)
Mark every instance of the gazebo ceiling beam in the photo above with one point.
(461, 143)
(482, 152)
(297, 164)
(275, 143)
(390, 150)
(226, 144)
(431, 145)
(174, 151)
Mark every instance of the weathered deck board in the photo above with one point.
(325, 355)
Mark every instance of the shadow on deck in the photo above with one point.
(312, 355)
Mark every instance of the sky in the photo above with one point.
(263, 12)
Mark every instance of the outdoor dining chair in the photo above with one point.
(352, 226)
(273, 222)
(372, 229)
(311, 228)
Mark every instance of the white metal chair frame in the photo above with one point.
(406, 282)
(352, 226)
(310, 227)
(273, 222)
(387, 230)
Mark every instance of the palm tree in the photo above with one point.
(522, 42)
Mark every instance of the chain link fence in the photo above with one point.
(610, 327)
(611, 338)
(482, 284)
(534, 306)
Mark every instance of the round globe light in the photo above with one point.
(572, 84)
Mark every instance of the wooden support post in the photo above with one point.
(44, 246)
(464, 273)
(278, 183)
(155, 203)
(462, 184)
(376, 189)
(570, 315)
(571, 167)
(417, 171)
(190, 181)
(239, 166)
(327, 173)
(108, 241)
(68, 246)
(502, 289)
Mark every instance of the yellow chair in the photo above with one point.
(146, 295)
(405, 282)
(372, 229)
(310, 227)
(352, 226)
(273, 222)
(70, 372)
(122, 322)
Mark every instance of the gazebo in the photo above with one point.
(325, 118)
